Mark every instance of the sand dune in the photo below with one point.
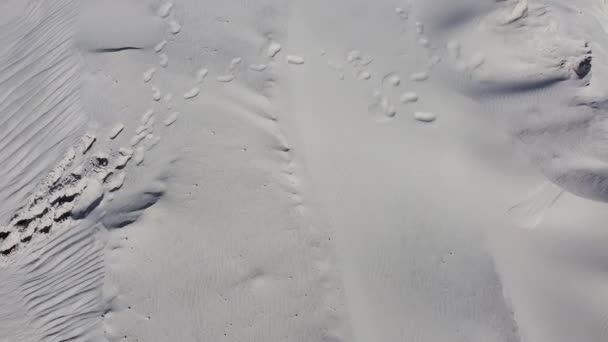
(347, 170)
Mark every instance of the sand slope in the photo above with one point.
(302, 170)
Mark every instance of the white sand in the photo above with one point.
(358, 170)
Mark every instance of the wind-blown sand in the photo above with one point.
(347, 170)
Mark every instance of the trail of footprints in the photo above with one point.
(229, 75)
(384, 105)
(69, 192)
(78, 184)
(83, 178)
(86, 176)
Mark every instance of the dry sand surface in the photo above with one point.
(304, 170)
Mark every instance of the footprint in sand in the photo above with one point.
(419, 27)
(258, 67)
(151, 141)
(234, 63)
(403, 14)
(364, 75)
(116, 182)
(168, 100)
(174, 26)
(424, 42)
(381, 109)
(225, 78)
(192, 93)
(295, 60)
(87, 141)
(156, 94)
(171, 119)
(148, 75)
(163, 60)
(273, 49)
(201, 74)
(115, 130)
(160, 46)
(139, 155)
(476, 61)
(353, 56)
(408, 97)
(136, 139)
(146, 117)
(426, 117)
(391, 79)
(419, 76)
(123, 158)
(165, 9)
